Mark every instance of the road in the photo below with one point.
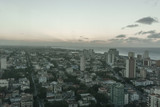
(30, 67)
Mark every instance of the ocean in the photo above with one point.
(154, 53)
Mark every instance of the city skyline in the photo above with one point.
(114, 23)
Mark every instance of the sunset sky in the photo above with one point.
(88, 22)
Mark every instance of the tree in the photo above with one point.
(42, 93)
(56, 104)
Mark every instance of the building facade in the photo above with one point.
(130, 66)
(117, 95)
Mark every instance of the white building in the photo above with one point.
(117, 95)
(86, 99)
(143, 73)
(3, 63)
(82, 63)
(126, 98)
(54, 97)
(154, 100)
(145, 54)
(4, 83)
(88, 53)
(69, 70)
(134, 96)
(42, 79)
(156, 90)
(142, 82)
(25, 83)
(57, 88)
(111, 56)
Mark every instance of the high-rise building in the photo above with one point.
(145, 54)
(143, 73)
(154, 100)
(3, 63)
(139, 57)
(130, 66)
(158, 63)
(146, 59)
(106, 57)
(117, 95)
(82, 63)
(112, 54)
(147, 62)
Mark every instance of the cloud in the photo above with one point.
(131, 26)
(145, 32)
(154, 36)
(121, 36)
(98, 41)
(156, 2)
(147, 20)
(82, 37)
(133, 39)
(137, 41)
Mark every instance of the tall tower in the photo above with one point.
(130, 66)
(145, 54)
(82, 63)
(146, 59)
(112, 54)
(117, 95)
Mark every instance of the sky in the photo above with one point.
(114, 23)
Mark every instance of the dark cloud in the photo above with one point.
(145, 32)
(138, 40)
(121, 36)
(117, 41)
(131, 26)
(98, 41)
(147, 20)
(154, 36)
(133, 39)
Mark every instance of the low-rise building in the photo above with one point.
(26, 100)
(86, 99)
(4, 83)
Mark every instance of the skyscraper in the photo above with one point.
(145, 54)
(82, 63)
(130, 66)
(112, 54)
(146, 59)
(117, 95)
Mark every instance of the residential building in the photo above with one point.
(4, 83)
(82, 63)
(3, 63)
(112, 54)
(130, 66)
(26, 100)
(117, 95)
